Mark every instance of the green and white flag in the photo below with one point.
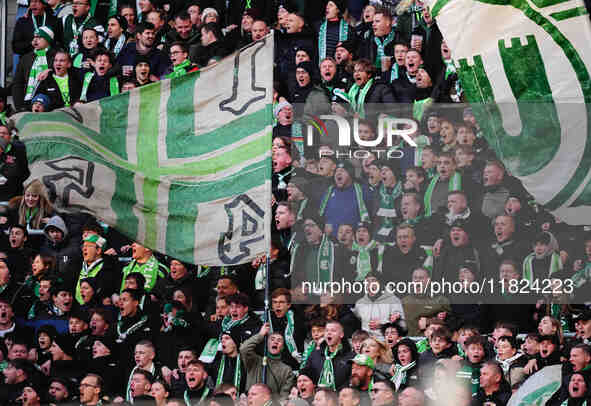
(182, 166)
(538, 388)
(525, 68)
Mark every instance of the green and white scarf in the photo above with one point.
(76, 31)
(565, 403)
(179, 70)
(118, 45)
(77, 63)
(150, 269)
(343, 35)
(64, 88)
(363, 213)
(307, 351)
(394, 72)
(363, 259)
(399, 377)
(387, 210)
(506, 364)
(358, 102)
(35, 25)
(303, 205)
(381, 45)
(423, 346)
(528, 266)
(297, 138)
(39, 65)
(237, 372)
(455, 183)
(582, 276)
(88, 271)
(113, 85)
(122, 335)
(420, 106)
(259, 279)
(203, 397)
(214, 344)
(326, 379)
(288, 335)
(128, 396)
(325, 260)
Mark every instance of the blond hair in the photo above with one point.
(44, 205)
(384, 354)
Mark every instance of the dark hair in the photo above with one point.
(239, 298)
(542, 237)
(180, 45)
(143, 26)
(213, 27)
(506, 325)
(384, 11)
(104, 313)
(136, 294)
(442, 332)
(183, 15)
(511, 340)
(139, 279)
(412, 346)
(476, 340)
(100, 51)
(145, 373)
(586, 349)
(366, 65)
(281, 292)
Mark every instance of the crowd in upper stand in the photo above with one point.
(88, 317)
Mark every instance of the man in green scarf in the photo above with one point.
(447, 179)
(328, 366)
(318, 259)
(31, 65)
(145, 263)
(181, 65)
(279, 375)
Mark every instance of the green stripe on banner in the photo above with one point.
(184, 197)
(189, 145)
(180, 110)
(49, 148)
(114, 123)
(127, 222)
(252, 150)
(573, 12)
(438, 6)
(147, 155)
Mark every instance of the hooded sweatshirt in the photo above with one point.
(66, 251)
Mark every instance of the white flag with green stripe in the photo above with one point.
(182, 165)
(525, 68)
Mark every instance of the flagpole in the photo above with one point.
(266, 319)
(267, 257)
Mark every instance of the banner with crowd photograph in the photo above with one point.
(524, 66)
(181, 166)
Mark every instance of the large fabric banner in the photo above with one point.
(525, 68)
(182, 165)
(538, 388)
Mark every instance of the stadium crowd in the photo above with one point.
(88, 317)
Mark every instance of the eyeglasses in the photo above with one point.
(85, 385)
